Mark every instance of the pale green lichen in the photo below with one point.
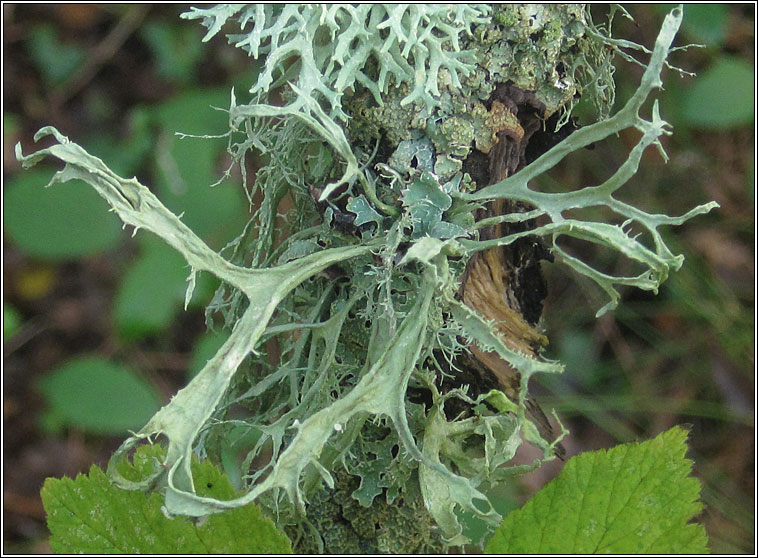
(541, 48)
(333, 43)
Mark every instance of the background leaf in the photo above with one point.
(703, 23)
(706, 23)
(57, 223)
(722, 97)
(11, 321)
(205, 347)
(55, 60)
(98, 396)
(187, 167)
(90, 515)
(632, 499)
(151, 293)
(176, 49)
(128, 153)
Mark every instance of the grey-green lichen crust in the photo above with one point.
(541, 48)
(375, 506)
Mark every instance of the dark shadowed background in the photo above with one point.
(95, 338)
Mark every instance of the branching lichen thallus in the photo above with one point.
(504, 284)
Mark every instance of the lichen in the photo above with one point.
(407, 44)
(346, 310)
(342, 525)
(540, 48)
(544, 49)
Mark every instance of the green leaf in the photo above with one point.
(186, 167)
(11, 321)
(57, 223)
(204, 349)
(704, 23)
(722, 97)
(55, 61)
(152, 291)
(98, 396)
(91, 515)
(176, 50)
(635, 498)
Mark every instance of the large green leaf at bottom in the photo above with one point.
(90, 515)
(632, 499)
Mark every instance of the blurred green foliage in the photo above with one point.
(57, 223)
(185, 168)
(97, 395)
(72, 222)
(151, 292)
(65, 224)
(722, 97)
(11, 321)
(54, 59)
(177, 50)
(205, 347)
(703, 23)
